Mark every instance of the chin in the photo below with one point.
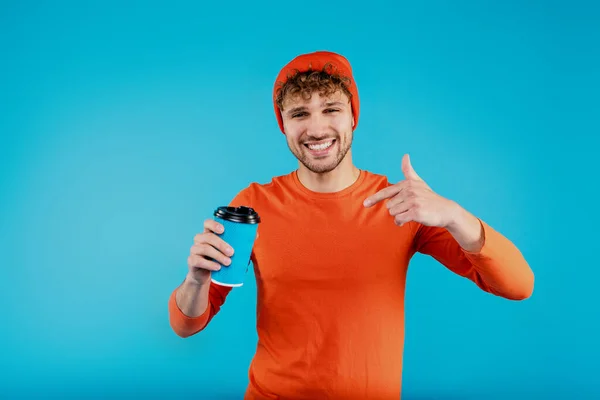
(321, 166)
(321, 169)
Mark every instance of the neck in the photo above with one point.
(344, 175)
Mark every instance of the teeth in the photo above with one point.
(320, 146)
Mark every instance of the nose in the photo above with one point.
(317, 126)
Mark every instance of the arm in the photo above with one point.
(460, 241)
(194, 303)
(192, 306)
(473, 249)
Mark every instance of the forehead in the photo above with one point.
(316, 99)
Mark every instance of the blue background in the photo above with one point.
(122, 126)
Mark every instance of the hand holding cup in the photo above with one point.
(208, 253)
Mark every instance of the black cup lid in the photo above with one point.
(241, 214)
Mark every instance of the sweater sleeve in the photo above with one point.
(498, 267)
(184, 325)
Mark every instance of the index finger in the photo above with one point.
(384, 193)
(210, 225)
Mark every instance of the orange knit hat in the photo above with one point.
(315, 62)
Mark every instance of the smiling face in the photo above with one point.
(318, 121)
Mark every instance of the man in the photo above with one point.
(333, 250)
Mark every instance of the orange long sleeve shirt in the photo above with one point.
(331, 279)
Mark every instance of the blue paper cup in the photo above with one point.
(241, 224)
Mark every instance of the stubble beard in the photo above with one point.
(320, 166)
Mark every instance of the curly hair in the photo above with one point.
(304, 84)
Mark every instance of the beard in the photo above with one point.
(324, 164)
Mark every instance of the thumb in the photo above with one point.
(408, 170)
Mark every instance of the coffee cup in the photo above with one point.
(241, 225)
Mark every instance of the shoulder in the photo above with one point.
(256, 192)
(375, 180)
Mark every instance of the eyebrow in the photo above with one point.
(326, 104)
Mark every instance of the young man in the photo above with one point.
(333, 249)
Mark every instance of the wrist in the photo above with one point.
(192, 297)
(466, 229)
(456, 216)
(193, 283)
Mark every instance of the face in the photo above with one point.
(319, 130)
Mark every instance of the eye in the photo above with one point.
(330, 110)
(299, 114)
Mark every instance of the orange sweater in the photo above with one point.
(331, 277)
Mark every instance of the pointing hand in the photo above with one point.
(412, 199)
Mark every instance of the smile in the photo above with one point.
(320, 146)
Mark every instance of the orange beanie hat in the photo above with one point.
(315, 62)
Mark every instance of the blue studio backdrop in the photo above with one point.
(123, 126)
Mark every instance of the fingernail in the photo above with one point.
(367, 203)
(229, 251)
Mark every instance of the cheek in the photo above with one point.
(343, 122)
(291, 135)
(293, 130)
